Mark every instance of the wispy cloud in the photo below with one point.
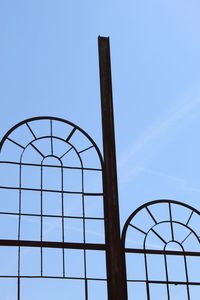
(162, 174)
(183, 184)
(135, 160)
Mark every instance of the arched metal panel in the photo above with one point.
(52, 211)
(162, 251)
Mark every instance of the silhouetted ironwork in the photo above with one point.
(115, 267)
(53, 169)
(59, 218)
(167, 242)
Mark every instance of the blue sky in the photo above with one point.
(49, 66)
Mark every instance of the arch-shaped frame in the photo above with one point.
(155, 235)
(43, 145)
(53, 119)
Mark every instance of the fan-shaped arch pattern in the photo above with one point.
(51, 200)
(161, 244)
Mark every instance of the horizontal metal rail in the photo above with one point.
(163, 252)
(55, 277)
(50, 166)
(165, 282)
(50, 216)
(44, 244)
(48, 190)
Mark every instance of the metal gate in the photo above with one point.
(59, 219)
(51, 211)
(161, 244)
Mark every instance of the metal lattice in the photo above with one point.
(161, 240)
(51, 180)
(59, 218)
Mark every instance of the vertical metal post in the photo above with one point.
(114, 257)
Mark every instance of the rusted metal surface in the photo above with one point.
(115, 266)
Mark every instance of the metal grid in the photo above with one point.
(52, 203)
(162, 253)
(53, 211)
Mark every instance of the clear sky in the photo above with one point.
(49, 66)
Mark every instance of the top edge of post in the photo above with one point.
(107, 38)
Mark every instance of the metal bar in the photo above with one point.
(115, 263)
(49, 166)
(66, 153)
(17, 144)
(70, 135)
(18, 288)
(147, 277)
(167, 277)
(162, 252)
(44, 244)
(140, 230)
(41, 219)
(88, 148)
(55, 277)
(171, 222)
(158, 235)
(63, 219)
(187, 277)
(48, 190)
(93, 194)
(84, 238)
(50, 216)
(151, 215)
(38, 151)
(166, 282)
(189, 218)
(19, 230)
(51, 129)
(184, 283)
(33, 134)
(186, 238)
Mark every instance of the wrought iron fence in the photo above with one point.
(59, 219)
(162, 253)
(51, 208)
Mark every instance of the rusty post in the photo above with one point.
(115, 263)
